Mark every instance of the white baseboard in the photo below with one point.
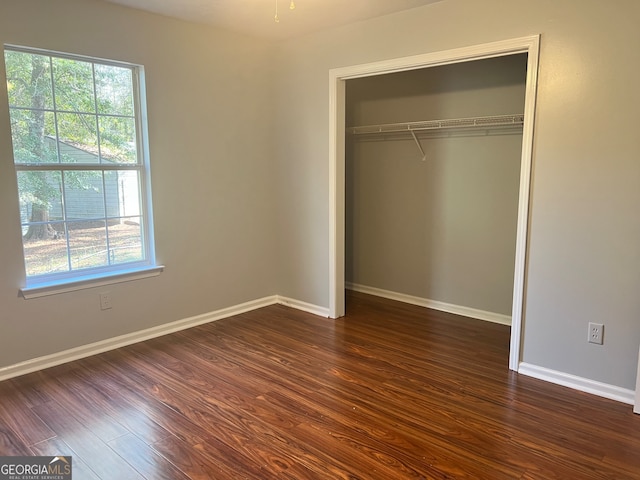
(578, 383)
(434, 304)
(305, 307)
(58, 358)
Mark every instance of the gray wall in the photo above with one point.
(584, 240)
(443, 229)
(256, 211)
(209, 105)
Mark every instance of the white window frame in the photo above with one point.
(61, 282)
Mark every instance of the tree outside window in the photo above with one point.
(82, 175)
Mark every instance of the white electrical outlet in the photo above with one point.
(596, 332)
(105, 301)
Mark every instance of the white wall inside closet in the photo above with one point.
(443, 229)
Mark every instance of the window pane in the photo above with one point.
(46, 252)
(40, 200)
(28, 80)
(87, 244)
(78, 138)
(84, 195)
(125, 241)
(33, 136)
(123, 193)
(114, 90)
(43, 240)
(66, 113)
(118, 139)
(73, 85)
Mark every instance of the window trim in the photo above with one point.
(61, 282)
(44, 289)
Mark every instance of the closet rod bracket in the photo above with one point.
(424, 156)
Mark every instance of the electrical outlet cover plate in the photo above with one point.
(596, 331)
(105, 301)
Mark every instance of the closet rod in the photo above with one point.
(411, 127)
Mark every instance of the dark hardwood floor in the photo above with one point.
(390, 391)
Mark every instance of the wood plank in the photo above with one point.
(103, 461)
(145, 459)
(126, 382)
(115, 406)
(57, 447)
(199, 463)
(235, 431)
(10, 443)
(29, 388)
(100, 423)
(19, 419)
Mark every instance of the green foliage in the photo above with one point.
(38, 188)
(113, 90)
(73, 81)
(67, 111)
(28, 78)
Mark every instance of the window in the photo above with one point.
(78, 136)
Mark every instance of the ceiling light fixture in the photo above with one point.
(292, 6)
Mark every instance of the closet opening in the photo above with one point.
(430, 173)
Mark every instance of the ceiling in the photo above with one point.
(256, 17)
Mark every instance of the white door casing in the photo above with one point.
(337, 79)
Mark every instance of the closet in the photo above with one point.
(432, 180)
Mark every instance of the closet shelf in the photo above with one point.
(495, 121)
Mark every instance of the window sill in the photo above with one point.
(44, 290)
